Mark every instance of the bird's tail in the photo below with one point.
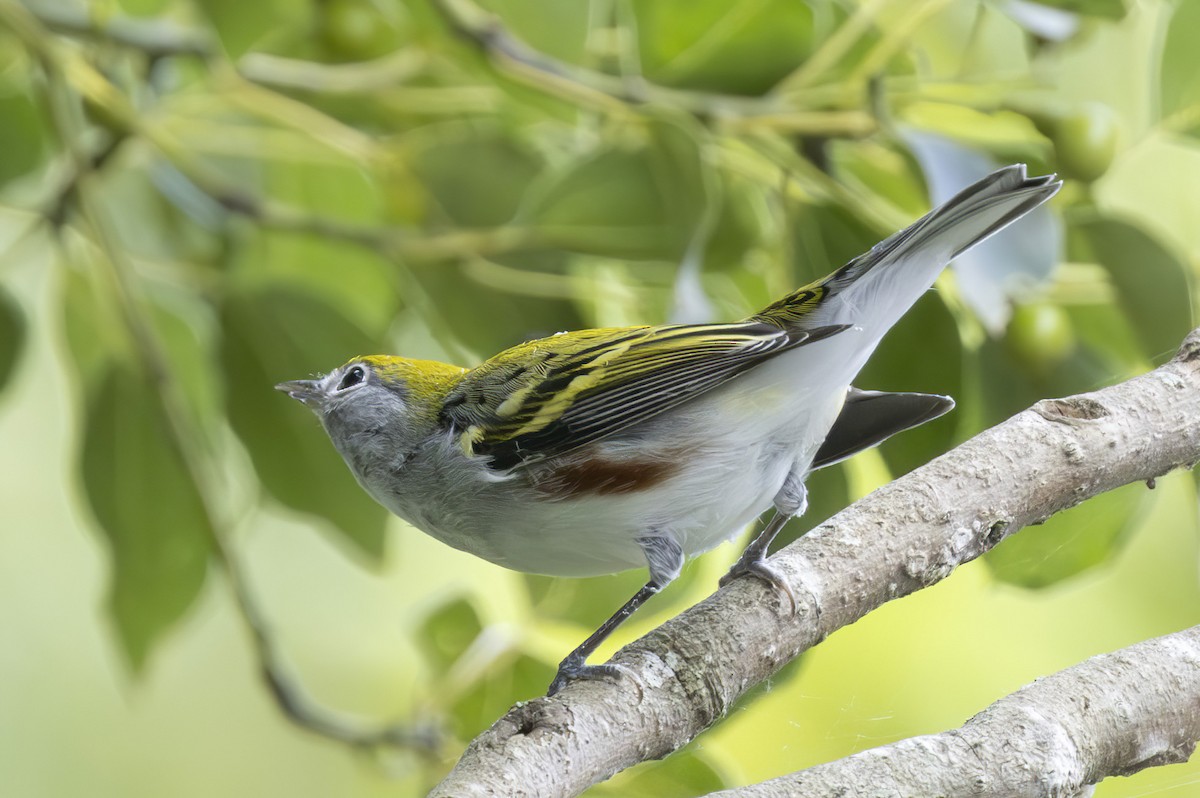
(874, 290)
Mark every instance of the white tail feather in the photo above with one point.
(874, 290)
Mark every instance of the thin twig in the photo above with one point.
(621, 94)
(832, 49)
(394, 243)
(358, 77)
(157, 38)
(894, 38)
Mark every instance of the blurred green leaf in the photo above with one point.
(150, 510)
(1152, 284)
(336, 189)
(447, 632)
(1070, 542)
(741, 223)
(1179, 78)
(12, 336)
(1106, 9)
(1107, 332)
(712, 45)
(924, 353)
(474, 316)
(1006, 134)
(639, 202)
(887, 169)
(590, 601)
(94, 330)
(824, 237)
(522, 677)
(23, 135)
(478, 177)
(676, 149)
(1007, 384)
(143, 8)
(158, 213)
(272, 336)
(587, 601)
(246, 26)
(685, 774)
(608, 204)
(560, 30)
(185, 328)
(357, 283)
(405, 200)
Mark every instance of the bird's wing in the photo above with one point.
(547, 397)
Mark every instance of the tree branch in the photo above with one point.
(905, 536)
(157, 38)
(620, 94)
(1113, 715)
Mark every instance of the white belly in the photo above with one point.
(705, 505)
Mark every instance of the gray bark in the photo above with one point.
(1112, 715)
(905, 536)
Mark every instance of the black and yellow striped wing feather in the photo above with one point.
(547, 397)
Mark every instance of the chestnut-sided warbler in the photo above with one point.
(596, 451)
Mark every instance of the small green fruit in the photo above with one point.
(360, 30)
(1041, 336)
(1086, 141)
(1085, 137)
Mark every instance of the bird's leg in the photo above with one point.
(665, 558)
(791, 501)
(575, 665)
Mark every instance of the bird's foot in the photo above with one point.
(574, 669)
(761, 569)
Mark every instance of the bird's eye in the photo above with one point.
(353, 377)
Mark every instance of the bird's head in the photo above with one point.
(376, 405)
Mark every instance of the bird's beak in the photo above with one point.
(307, 391)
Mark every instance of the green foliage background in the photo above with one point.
(203, 197)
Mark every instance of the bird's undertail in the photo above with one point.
(873, 290)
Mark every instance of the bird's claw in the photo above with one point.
(763, 570)
(572, 669)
